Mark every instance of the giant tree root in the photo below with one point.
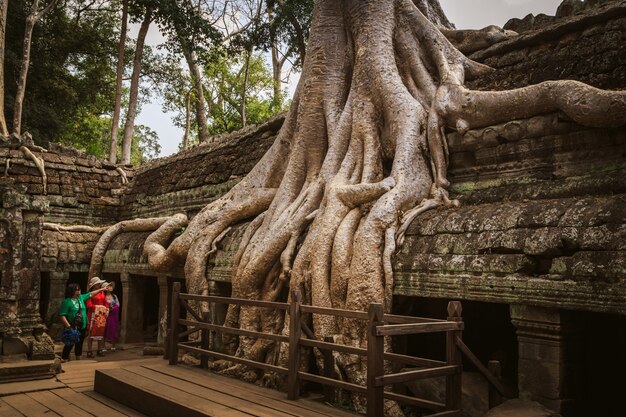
(74, 228)
(136, 225)
(363, 144)
(39, 163)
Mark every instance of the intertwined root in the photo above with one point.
(362, 153)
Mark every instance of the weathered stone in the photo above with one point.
(521, 408)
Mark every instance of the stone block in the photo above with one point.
(14, 346)
(48, 263)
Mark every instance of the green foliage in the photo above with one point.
(290, 25)
(71, 76)
(145, 145)
(224, 86)
(87, 132)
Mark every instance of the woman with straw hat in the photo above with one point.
(97, 312)
(73, 315)
(112, 330)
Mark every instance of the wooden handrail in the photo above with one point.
(416, 328)
(232, 330)
(396, 319)
(332, 382)
(188, 332)
(190, 310)
(413, 360)
(407, 376)
(417, 402)
(248, 362)
(350, 314)
(495, 382)
(238, 301)
(334, 346)
(379, 327)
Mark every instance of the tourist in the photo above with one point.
(74, 318)
(97, 313)
(112, 330)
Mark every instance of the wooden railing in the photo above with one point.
(379, 326)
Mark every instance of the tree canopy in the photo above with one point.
(70, 91)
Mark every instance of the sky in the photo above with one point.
(465, 14)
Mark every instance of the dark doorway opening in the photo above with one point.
(602, 356)
(150, 325)
(79, 278)
(488, 333)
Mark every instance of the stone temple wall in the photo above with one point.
(588, 46)
(189, 180)
(541, 225)
(79, 190)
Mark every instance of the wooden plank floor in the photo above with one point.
(70, 395)
(164, 390)
(202, 393)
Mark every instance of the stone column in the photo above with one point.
(22, 333)
(131, 328)
(547, 367)
(217, 312)
(58, 283)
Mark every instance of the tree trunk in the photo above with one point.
(129, 126)
(118, 84)
(277, 75)
(21, 83)
(31, 20)
(201, 110)
(4, 7)
(361, 151)
(244, 89)
(187, 119)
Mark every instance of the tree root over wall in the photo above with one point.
(39, 163)
(361, 153)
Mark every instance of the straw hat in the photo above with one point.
(95, 281)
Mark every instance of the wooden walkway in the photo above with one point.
(162, 390)
(152, 386)
(69, 395)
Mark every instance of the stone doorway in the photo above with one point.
(602, 356)
(140, 308)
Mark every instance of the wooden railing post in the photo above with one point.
(495, 399)
(329, 371)
(174, 315)
(166, 342)
(375, 362)
(204, 341)
(454, 357)
(293, 389)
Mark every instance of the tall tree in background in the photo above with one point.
(4, 8)
(31, 20)
(129, 125)
(285, 33)
(118, 84)
(240, 92)
(362, 151)
(192, 32)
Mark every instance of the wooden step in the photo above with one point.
(154, 398)
(163, 390)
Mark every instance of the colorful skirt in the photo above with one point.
(98, 322)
